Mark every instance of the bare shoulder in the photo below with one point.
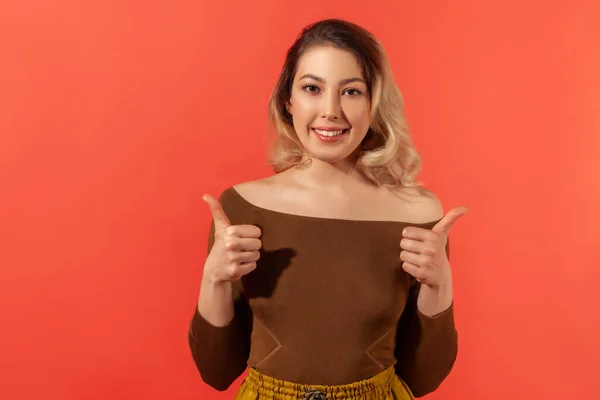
(422, 204)
(253, 188)
(261, 192)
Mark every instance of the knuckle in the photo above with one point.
(233, 270)
(429, 251)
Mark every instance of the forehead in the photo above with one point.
(329, 63)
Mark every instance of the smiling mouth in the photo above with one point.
(330, 133)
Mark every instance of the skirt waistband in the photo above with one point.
(373, 388)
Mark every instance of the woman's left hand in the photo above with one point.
(424, 251)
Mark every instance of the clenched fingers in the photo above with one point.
(236, 271)
(244, 231)
(243, 256)
(243, 244)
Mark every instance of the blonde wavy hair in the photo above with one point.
(388, 156)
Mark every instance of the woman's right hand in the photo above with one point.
(235, 249)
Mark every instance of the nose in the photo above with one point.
(331, 106)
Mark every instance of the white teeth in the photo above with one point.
(328, 133)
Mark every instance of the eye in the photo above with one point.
(310, 88)
(353, 92)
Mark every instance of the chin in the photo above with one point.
(331, 156)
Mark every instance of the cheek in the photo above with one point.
(358, 113)
(303, 107)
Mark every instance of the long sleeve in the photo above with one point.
(221, 353)
(426, 347)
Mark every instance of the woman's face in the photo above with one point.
(329, 104)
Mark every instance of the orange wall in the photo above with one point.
(116, 116)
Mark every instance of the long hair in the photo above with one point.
(388, 156)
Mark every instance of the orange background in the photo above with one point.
(116, 116)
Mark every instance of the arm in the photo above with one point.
(220, 349)
(426, 346)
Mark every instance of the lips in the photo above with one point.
(329, 135)
(329, 131)
(329, 128)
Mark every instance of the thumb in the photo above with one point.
(219, 216)
(445, 225)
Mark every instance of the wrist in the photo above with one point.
(210, 279)
(215, 303)
(435, 300)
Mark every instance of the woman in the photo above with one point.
(330, 279)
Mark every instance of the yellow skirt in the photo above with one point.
(384, 386)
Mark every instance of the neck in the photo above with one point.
(331, 176)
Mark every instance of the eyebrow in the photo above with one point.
(343, 81)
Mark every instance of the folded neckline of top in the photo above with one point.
(342, 220)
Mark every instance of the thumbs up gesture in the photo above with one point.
(424, 251)
(235, 249)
